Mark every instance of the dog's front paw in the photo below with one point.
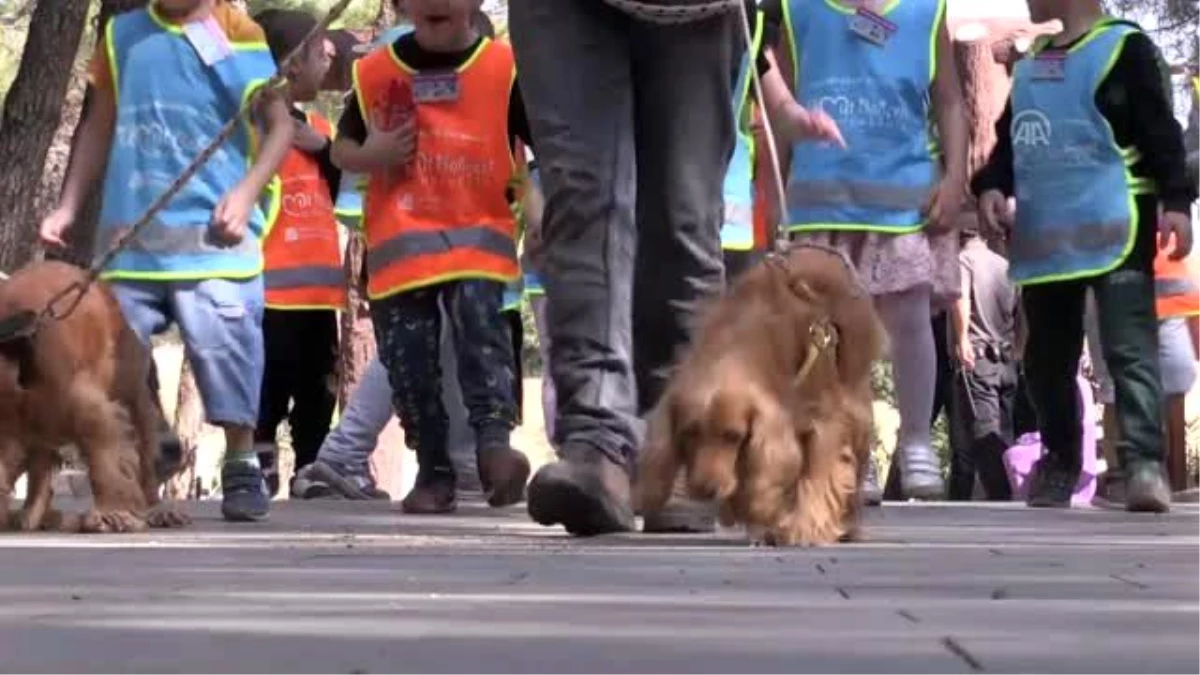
(109, 522)
(166, 515)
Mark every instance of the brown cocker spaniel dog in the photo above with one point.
(770, 410)
(82, 381)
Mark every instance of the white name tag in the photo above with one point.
(1050, 66)
(871, 27)
(435, 87)
(209, 40)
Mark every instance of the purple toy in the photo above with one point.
(1020, 458)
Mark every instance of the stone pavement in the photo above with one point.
(352, 588)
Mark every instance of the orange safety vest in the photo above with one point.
(1176, 289)
(447, 216)
(302, 255)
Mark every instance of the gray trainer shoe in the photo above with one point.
(872, 494)
(920, 473)
(681, 513)
(343, 483)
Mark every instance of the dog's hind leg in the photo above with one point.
(116, 486)
(12, 465)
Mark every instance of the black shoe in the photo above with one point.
(586, 493)
(503, 473)
(681, 514)
(1146, 489)
(1052, 484)
(431, 494)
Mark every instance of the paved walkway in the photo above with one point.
(355, 588)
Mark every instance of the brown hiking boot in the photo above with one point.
(431, 496)
(681, 513)
(503, 473)
(585, 492)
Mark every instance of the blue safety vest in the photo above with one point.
(1076, 216)
(170, 105)
(879, 96)
(737, 230)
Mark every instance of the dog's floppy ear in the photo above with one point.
(660, 458)
(770, 463)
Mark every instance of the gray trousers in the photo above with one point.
(633, 131)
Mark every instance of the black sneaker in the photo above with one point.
(1146, 489)
(243, 493)
(1052, 485)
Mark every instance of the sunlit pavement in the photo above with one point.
(355, 587)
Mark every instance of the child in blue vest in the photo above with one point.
(885, 73)
(165, 80)
(1090, 148)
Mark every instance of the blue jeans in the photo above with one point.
(220, 321)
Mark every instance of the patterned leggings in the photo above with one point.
(407, 330)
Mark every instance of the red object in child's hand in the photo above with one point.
(397, 107)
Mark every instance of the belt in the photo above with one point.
(998, 353)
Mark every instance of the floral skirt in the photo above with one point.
(893, 263)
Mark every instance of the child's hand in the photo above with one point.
(993, 212)
(308, 139)
(230, 218)
(943, 205)
(965, 353)
(1177, 225)
(816, 124)
(394, 148)
(54, 226)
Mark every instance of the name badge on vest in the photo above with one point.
(209, 40)
(1050, 66)
(435, 87)
(871, 27)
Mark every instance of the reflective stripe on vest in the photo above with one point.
(879, 96)
(302, 251)
(737, 230)
(152, 62)
(448, 216)
(1176, 289)
(1076, 215)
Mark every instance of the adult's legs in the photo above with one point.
(576, 81)
(343, 462)
(1178, 363)
(682, 88)
(460, 437)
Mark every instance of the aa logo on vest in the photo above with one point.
(1031, 128)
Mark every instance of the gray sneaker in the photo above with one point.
(342, 483)
(681, 514)
(305, 486)
(871, 493)
(920, 473)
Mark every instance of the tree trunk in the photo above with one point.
(31, 115)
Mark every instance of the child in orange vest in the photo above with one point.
(303, 279)
(441, 232)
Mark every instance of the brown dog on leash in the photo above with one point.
(770, 411)
(81, 380)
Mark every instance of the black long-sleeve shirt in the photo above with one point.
(1135, 99)
(329, 172)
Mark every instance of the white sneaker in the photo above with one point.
(921, 473)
